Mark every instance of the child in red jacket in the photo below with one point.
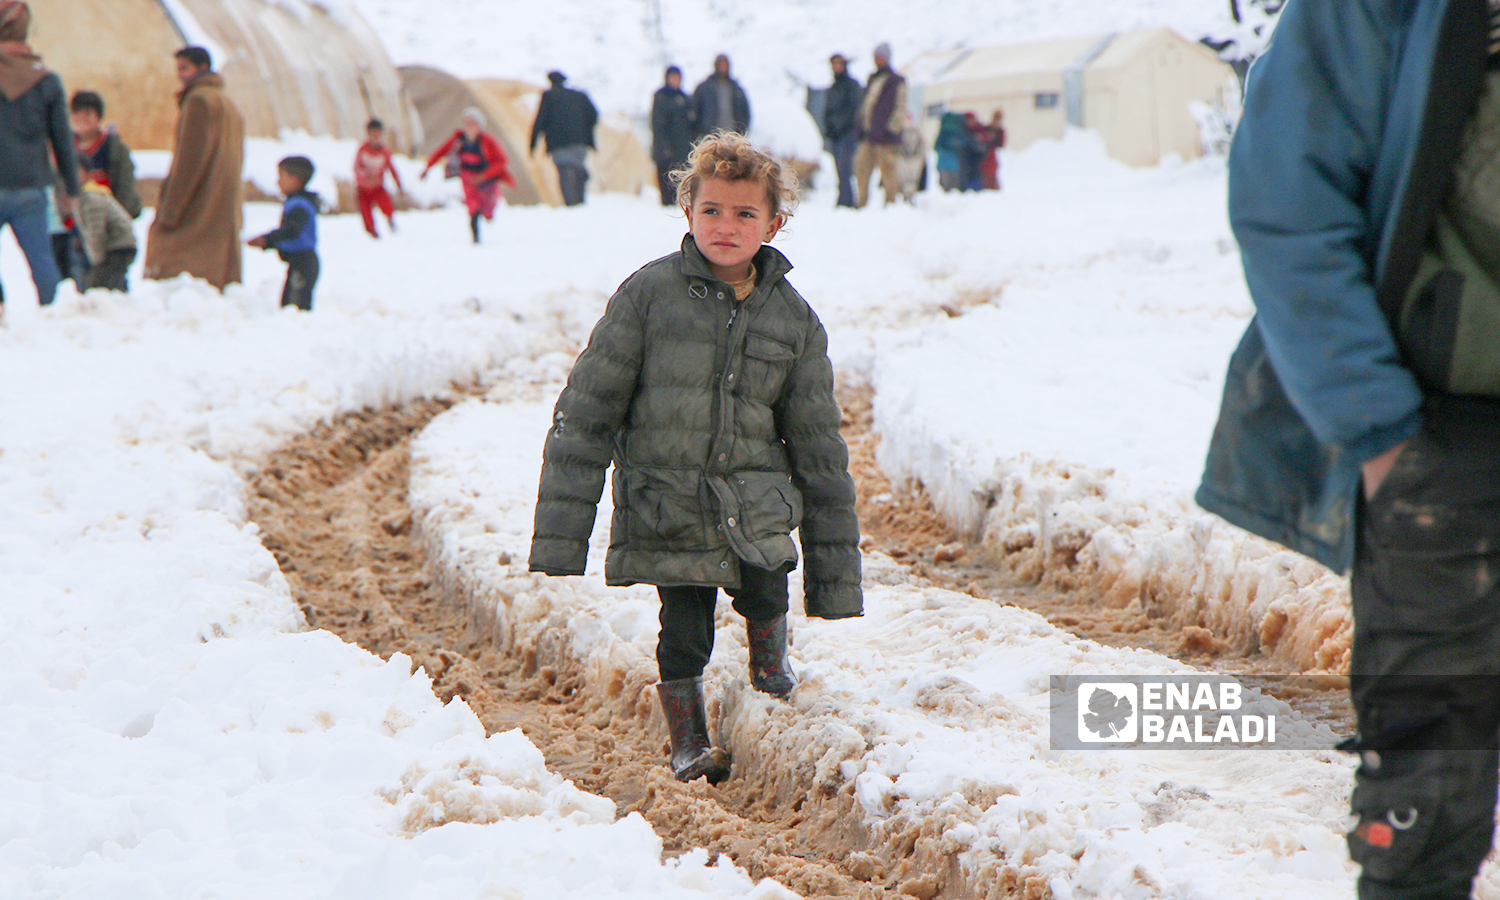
(370, 165)
(482, 166)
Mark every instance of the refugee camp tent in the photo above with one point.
(620, 162)
(1135, 88)
(287, 64)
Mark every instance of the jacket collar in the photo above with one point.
(771, 263)
(207, 78)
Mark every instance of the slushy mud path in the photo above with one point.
(904, 525)
(332, 508)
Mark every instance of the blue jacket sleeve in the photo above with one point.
(1299, 178)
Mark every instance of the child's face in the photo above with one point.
(86, 122)
(287, 183)
(375, 135)
(730, 220)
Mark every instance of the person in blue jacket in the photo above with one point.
(296, 239)
(1361, 415)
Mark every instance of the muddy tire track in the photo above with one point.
(332, 508)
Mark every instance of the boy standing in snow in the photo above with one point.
(296, 239)
(370, 165)
(108, 236)
(708, 384)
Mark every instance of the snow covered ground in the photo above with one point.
(170, 724)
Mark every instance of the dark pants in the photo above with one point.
(109, 273)
(664, 183)
(1425, 675)
(572, 174)
(301, 277)
(687, 618)
(843, 149)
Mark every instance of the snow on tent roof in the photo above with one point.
(287, 67)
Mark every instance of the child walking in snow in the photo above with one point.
(708, 385)
(371, 163)
(296, 238)
(482, 166)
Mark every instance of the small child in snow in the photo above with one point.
(296, 238)
(480, 164)
(370, 165)
(107, 232)
(708, 385)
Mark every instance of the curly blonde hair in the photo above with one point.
(731, 156)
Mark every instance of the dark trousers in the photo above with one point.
(109, 273)
(1425, 675)
(665, 185)
(843, 149)
(687, 618)
(301, 277)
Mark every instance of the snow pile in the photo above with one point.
(927, 719)
(167, 724)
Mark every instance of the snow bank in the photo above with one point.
(926, 720)
(168, 727)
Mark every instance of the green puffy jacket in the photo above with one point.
(720, 420)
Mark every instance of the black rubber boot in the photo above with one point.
(474, 226)
(769, 670)
(693, 755)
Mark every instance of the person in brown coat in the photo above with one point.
(198, 216)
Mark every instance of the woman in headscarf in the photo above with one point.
(482, 166)
(34, 128)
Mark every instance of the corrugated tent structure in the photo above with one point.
(1134, 88)
(288, 64)
(620, 163)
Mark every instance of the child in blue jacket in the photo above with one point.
(296, 238)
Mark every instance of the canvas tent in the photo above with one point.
(288, 64)
(619, 164)
(1134, 88)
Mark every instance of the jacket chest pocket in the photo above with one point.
(767, 363)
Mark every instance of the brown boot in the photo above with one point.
(770, 672)
(693, 755)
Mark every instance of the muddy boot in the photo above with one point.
(769, 670)
(693, 755)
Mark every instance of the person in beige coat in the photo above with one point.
(199, 216)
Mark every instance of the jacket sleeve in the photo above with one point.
(499, 163)
(808, 419)
(543, 119)
(442, 151)
(122, 176)
(191, 164)
(1299, 169)
(60, 133)
(293, 220)
(581, 442)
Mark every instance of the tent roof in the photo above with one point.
(984, 63)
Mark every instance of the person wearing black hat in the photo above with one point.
(566, 118)
(671, 132)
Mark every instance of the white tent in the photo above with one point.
(1135, 88)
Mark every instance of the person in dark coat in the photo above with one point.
(719, 103)
(671, 132)
(33, 131)
(1360, 422)
(566, 118)
(708, 385)
(841, 125)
